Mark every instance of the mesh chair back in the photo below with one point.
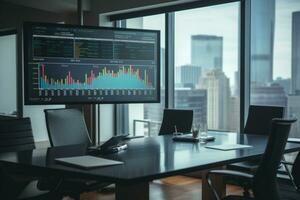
(182, 119)
(260, 117)
(16, 135)
(66, 127)
(296, 171)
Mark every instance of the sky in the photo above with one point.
(283, 32)
(223, 20)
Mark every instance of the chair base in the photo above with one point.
(286, 190)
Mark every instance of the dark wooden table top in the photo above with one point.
(144, 160)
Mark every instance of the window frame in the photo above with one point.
(19, 78)
(169, 11)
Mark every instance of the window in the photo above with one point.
(275, 56)
(8, 72)
(207, 65)
(145, 119)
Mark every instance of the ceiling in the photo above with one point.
(59, 6)
(96, 6)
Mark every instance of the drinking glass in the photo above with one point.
(195, 130)
(203, 130)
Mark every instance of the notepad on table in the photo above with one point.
(87, 162)
(227, 147)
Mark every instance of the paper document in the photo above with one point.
(87, 161)
(227, 147)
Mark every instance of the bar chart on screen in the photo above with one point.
(95, 77)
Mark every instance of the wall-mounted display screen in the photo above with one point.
(66, 64)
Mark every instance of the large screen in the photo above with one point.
(66, 64)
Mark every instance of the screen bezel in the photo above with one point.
(29, 25)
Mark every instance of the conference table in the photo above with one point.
(145, 160)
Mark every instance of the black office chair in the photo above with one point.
(16, 137)
(67, 126)
(263, 182)
(182, 119)
(296, 172)
(258, 123)
(260, 117)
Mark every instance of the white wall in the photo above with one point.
(8, 79)
(36, 114)
(106, 122)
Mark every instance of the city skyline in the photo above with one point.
(274, 86)
(199, 21)
(203, 21)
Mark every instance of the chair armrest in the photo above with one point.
(244, 176)
(231, 173)
(286, 162)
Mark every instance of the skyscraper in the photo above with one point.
(285, 83)
(188, 75)
(296, 52)
(186, 98)
(272, 94)
(234, 113)
(262, 40)
(293, 110)
(154, 113)
(207, 51)
(193, 99)
(218, 96)
(294, 99)
(236, 87)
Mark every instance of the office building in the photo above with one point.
(236, 86)
(234, 107)
(177, 76)
(262, 41)
(186, 98)
(272, 94)
(295, 52)
(207, 51)
(218, 98)
(293, 110)
(285, 83)
(193, 99)
(153, 112)
(188, 75)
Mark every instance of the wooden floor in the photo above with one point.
(175, 188)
